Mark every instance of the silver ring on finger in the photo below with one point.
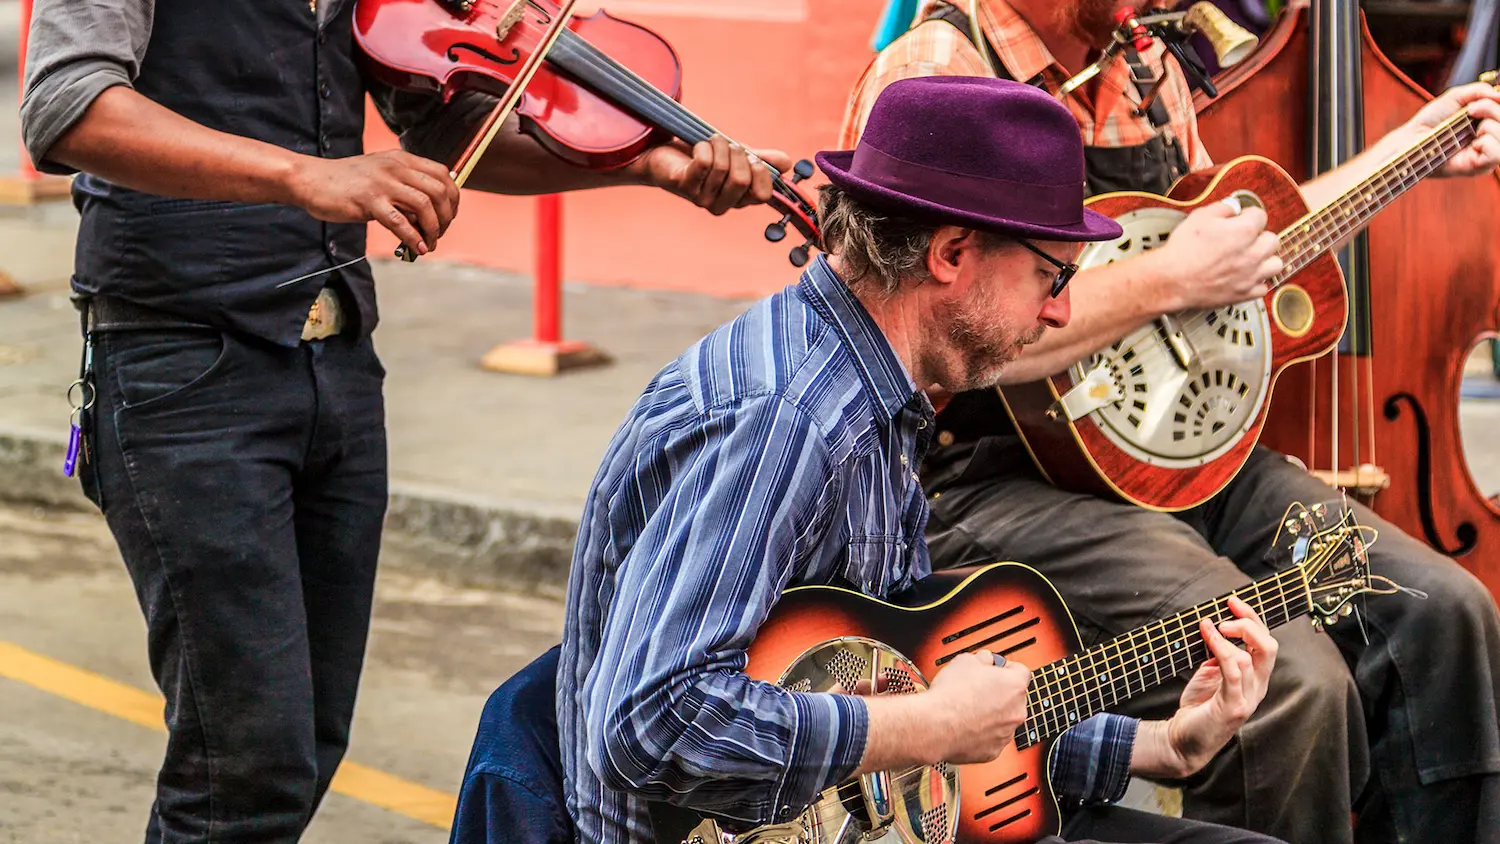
(999, 661)
(1233, 204)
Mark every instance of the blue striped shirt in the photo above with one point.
(780, 450)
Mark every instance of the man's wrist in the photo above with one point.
(1153, 756)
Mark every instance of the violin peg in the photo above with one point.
(799, 255)
(775, 232)
(801, 170)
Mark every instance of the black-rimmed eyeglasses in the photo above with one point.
(1064, 271)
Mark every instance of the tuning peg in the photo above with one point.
(801, 170)
(776, 231)
(800, 254)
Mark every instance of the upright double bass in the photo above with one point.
(1380, 417)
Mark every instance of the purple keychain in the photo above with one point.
(81, 397)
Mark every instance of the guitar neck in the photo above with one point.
(1324, 229)
(1071, 690)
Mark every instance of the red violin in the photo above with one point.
(606, 92)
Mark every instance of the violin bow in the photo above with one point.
(462, 169)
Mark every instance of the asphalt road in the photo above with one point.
(82, 772)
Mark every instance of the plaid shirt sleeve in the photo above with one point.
(1091, 762)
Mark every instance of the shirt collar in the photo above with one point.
(883, 374)
(1021, 50)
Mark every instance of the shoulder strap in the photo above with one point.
(1143, 78)
(952, 14)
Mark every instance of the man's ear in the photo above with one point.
(949, 243)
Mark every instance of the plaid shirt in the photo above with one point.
(937, 48)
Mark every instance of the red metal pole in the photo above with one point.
(547, 306)
(28, 171)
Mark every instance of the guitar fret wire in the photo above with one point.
(1193, 648)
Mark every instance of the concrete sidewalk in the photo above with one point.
(488, 471)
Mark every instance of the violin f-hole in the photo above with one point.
(515, 54)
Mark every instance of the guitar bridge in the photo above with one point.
(1097, 389)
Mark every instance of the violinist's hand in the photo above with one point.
(412, 196)
(1480, 101)
(715, 174)
(1220, 697)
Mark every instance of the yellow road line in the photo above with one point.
(145, 709)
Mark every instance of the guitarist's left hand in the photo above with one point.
(1481, 101)
(1219, 698)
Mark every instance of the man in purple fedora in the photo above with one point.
(781, 450)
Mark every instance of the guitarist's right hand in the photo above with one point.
(1216, 257)
(983, 703)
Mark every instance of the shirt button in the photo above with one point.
(903, 460)
(323, 140)
(324, 91)
(914, 476)
(322, 36)
(921, 424)
(333, 248)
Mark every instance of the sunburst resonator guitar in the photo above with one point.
(826, 639)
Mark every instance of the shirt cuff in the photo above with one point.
(1091, 761)
(828, 742)
(58, 101)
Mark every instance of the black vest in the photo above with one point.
(260, 69)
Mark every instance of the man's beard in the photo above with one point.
(983, 343)
(1091, 20)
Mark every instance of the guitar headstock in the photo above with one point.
(796, 211)
(1331, 548)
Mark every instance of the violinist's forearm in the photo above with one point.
(131, 141)
(516, 164)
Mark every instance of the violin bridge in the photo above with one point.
(510, 19)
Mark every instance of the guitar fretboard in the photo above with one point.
(1322, 230)
(1071, 690)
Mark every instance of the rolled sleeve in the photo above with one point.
(77, 49)
(1091, 762)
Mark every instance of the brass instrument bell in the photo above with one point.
(1230, 41)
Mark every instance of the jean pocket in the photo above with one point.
(152, 366)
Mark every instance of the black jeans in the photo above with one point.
(245, 484)
(1394, 720)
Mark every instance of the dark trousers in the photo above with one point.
(1401, 730)
(245, 484)
(1126, 826)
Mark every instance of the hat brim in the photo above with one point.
(835, 165)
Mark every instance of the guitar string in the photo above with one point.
(1196, 649)
(1081, 686)
(1303, 247)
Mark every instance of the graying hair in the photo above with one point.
(878, 250)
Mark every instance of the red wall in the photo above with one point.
(769, 73)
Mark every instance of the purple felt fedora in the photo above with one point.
(986, 153)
